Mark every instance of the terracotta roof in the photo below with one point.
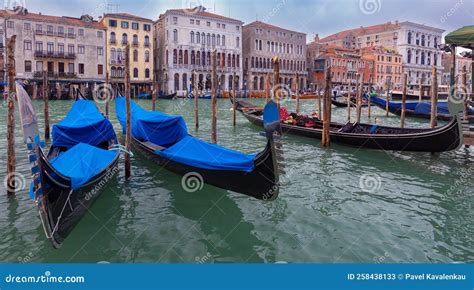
(201, 12)
(264, 25)
(127, 16)
(362, 31)
(65, 20)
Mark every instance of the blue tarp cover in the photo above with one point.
(420, 108)
(83, 124)
(156, 127)
(198, 153)
(82, 162)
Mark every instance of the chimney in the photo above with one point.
(316, 37)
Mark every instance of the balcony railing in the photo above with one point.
(54, 54)
(147, 44)
(50, 33)
(135, 43)
(39, 32)
(71, 35)
(60, 34)
(124, 42)
(56, 75)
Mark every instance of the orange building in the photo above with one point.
(388, 66)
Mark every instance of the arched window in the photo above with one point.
(185, 82)
(193, 58)
(147, 40)
(175, 35)
(198, 37)
(229, 60)
(147, 73)
(113, 55)
(180, 57)
(208, 39)
(135, 39)
(261, 83)
(409, 37)
(135, 55)
(147, 56)
(252, 62)
(192, 36)
(259, 45)
(114, 72)
(422, 57)
(203, 38)
(255, 83)
(233, 60)
(135, 73)
(112, 37)
(186, 57)
(435, 42)
(435, 59)
(409, 56)
(208, 58)
(120, 59)
(218, 39)
(198, 58)
(175, 56)
(238, 60)
(176, 82)
(124, 38)
(423, 40)
(213, 40)
(231, 82)
(223, 40)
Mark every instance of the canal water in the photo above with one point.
(337, 205)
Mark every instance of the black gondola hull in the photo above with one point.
(261, 183)
(446, 138)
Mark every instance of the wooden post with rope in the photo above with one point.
(128, 134)
(46, 105)
(234, 105)
(196, 100)
(404, 100)
(214, 98)
(327, 110)
(434, 98)
(11, 156)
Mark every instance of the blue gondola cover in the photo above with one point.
(82, 162)
(194, 152)
(156, 127)
(83, 124)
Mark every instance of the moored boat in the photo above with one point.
(78, 165)
(165, 139)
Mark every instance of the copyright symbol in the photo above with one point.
(400, 276)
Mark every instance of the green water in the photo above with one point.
(412, 208)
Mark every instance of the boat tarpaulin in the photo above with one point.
(197, 153)
(425, 108)
(156, 127)
(379, 101)
(83, 124)
(82, 162)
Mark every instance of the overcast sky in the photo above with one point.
(310, 16)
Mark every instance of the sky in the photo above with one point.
(322, 17)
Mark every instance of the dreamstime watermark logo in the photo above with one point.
(15, 181)
(458, 94)
(192, 182)
(276, 8)
(98, 187)
(192, 6)
(381, 259)
(459, 183)
(204, 259)
(282, 92)
(14, 6)
(369, 7)
(451, 11)
(26, 259)
(103, 93)
(370, 183)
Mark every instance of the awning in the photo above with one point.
(463, 37)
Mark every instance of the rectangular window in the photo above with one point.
(218, 25)
(50, 47)
(175, 20)
(223, 26)
(124, 24)
(208, 24)
(81, 49)
(60, 30)
(100, 69)
(39, 47)
(27, 45)
(135, 26)
(10, 24)
(191, 21)
(81, 68)
(27, 65)
(71, 68)
(100, 51)
(61, 67)
(27, 26)
(147, 27)
(39, 28)
(70, 31)
(100, 34)
(61, 48)
(50, 29)
(70, 49)
(112, 23)
(198, 22)
(80, 32)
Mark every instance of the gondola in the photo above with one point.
(343, 104)
(167, 97)
(165, 139)
(79, 164)
(446, 138)
(416, 109)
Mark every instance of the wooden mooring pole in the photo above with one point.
(420, 94)
(434, 98)
(214, 98)
(369, 100)
(11, 157)
(276, 80)
(387, 97)
(404, 100)
(196, 100)
(297, 95)
(156, 91)
(464, 91)
(108, 91)
(267, 88)
(359, 97)
(349, 103)
(128, 134)
(234, 106)
(327, 110)
(320, 116)
(46, 105)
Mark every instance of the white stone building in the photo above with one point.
(184, 41)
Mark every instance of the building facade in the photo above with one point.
(185, 40)
(123, 29)
(417, 43)
(71, 50)
(261, 43)
(463, 70)
(388, 67)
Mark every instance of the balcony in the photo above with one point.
(135, 44)
(39, 32)
(60, 34)
(50, 33)
(71, 35)
(116, 62)
(56, 75)
(147, 44)
(53, 54)
(124, 42)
